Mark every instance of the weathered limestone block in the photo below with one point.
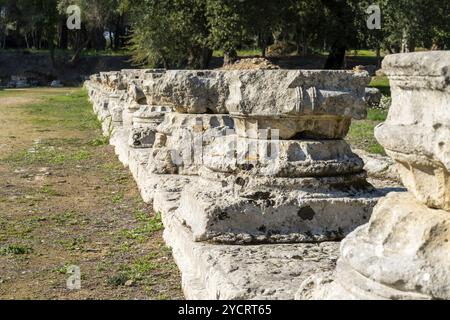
(181, 139)
(403, 252)
(145, 121)
(417, 132)
(281, 158)
(248, 157)
(262, 92)
(300, 127)
(275, 210)
(125, 102)
(255, 185)
(212, 271)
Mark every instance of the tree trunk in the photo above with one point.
(263, 50)
(199, 57)
(405, 42)
(119, 32)
(262, 43)
(378, 49)
(98, 40)
(229, 57)
(304, 44)
(64, 36)
(336, 57)
(26, 40)
(79, 46)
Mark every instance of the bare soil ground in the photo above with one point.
(66, 200)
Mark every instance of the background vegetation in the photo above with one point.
(186, 33)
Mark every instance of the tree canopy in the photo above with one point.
(184, 33)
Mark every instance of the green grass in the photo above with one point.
(117, 280)
(48, 152)
(15, 250)
(382, 83)
(142, 269)
(240, 53)
(361, 134)
(151, 225)
(68, 218)
(362, 53)
(48, 190)
(100, 141)
(69, 111)
(73, 244)
(377, 114)
(118, 198)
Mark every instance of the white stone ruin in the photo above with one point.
(254, 179)
(404, 250)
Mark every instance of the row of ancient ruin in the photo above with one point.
(256, 184)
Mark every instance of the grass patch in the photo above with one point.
(70, 111)
(117, 280)
(48, 190)
(362, 53)
(240, 53)
(68, 218)
(361, 136)
(148, 269)
(118, 198)
(54, 152)
(101, 141)
(151, 225)
(15, 250)
(381, 83)
(377, 114)
(81, 155)
(73, 244)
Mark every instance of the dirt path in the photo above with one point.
(66, 200)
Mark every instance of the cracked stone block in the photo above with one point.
(262, 92)
(299, 210)
(251, 272)
(403, 252)
(145, 122)
(281, 158)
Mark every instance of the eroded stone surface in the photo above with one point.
(211, 191)
(403, 252)
(232, 214)
(262, 92)
(211, 271)
(416, 133)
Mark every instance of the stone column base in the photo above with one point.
(402, 253)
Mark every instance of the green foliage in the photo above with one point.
(169, 33)
(180, 33)
(226, 20)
